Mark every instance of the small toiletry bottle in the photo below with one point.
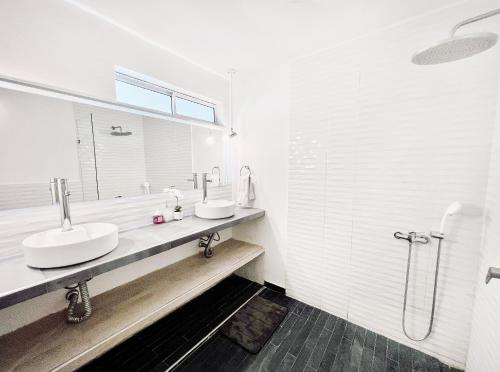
(158, 218)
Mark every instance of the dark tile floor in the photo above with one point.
(308, 340)
(312, 340)
(160, 345)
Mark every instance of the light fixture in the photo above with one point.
(231, 73)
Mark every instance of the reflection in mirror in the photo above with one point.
(105, 153)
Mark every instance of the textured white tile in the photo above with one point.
(379, 145)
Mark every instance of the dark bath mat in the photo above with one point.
(254, 323)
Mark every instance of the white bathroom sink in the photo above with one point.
(214, 209)
(56, 248)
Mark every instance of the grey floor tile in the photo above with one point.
(443, 367)
(299, 308)
(263, 358)
(366, 360)
(378, 364)
(333, 346)
(381, 347)
(287, 363)
(307, 312)
(356, 352)
(286, 344)
(343, 357)
(310, 343)
(419, 361)
(405, 364)
(330, 323)
(370, 339)
(285, 329)
(319, 349)
(393, 350)
(350, 330)
(301, 338)
(391, 366)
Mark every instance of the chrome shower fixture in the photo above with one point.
(120, 131)
(415, 238)
(458, 47)
(452, 209)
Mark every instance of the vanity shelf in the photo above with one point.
(52, 344)
(19, 282)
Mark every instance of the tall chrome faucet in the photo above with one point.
(60, 194)
(204, 183)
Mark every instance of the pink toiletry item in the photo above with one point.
(158, 219)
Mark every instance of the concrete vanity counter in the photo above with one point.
(18, 282)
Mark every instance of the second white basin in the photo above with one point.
(56, 248)
(214, 209)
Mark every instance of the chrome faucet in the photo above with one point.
(218, 174)
(60, 194)
(204, 183)
(194, 180)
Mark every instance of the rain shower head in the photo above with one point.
(120, 131)
(455, 48)
(458, 47)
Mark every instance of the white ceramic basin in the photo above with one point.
(55, 248)
(214, 209)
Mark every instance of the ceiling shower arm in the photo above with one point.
(479, 17)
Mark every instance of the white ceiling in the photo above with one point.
(248, 35)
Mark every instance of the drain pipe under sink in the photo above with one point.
(72, 314)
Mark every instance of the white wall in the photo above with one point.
(483, 348)
(46, 125)
(55, 43)
(262, 120)
(169, 154)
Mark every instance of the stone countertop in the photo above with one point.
(19, 282)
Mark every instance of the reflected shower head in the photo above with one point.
(120, 132)
(458, 47)
(455, 48)
(452, 209)
(232, 134)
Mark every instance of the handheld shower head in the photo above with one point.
(452, 209)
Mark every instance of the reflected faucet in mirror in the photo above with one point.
(216, 168)
(205, 181)
(194, 180)
(60, 194)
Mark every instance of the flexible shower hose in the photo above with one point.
(408, 265)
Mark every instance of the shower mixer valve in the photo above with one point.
(412, 237)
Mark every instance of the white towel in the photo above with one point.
(246, 191)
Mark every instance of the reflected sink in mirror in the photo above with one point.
(57, 248)
(214, 209)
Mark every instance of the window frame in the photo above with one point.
(148, 85)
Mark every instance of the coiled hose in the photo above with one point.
(72, 314)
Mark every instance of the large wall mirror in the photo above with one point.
(104, 152)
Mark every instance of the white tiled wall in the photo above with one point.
(379, 145)
(121, 166)
(484, 351)
(168, 151)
